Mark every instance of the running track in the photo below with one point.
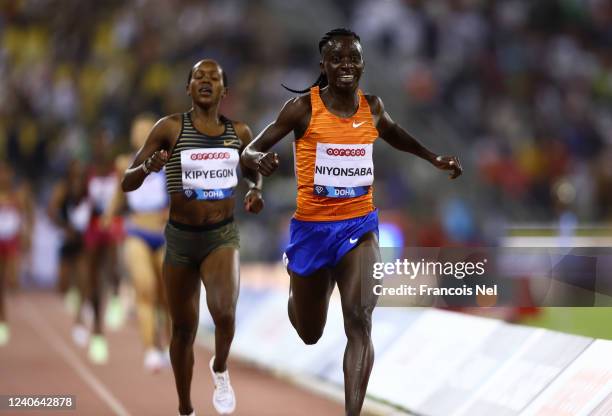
(41, 359)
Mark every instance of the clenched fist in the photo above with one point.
(156, 161)
(253, 201)
(449, 163)
(267, 163)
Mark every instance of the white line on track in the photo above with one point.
(60, 346)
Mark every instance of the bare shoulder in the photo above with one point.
(167, 129)
(170, 122)
(296, 114)
(300, 105)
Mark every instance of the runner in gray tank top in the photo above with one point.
(200, 149)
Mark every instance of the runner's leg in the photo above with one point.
(354, 274)
(183, 290)
(221, 278)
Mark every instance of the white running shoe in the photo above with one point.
(115, 314)
(98, 350)
(80, 335)
(190, 414)
(154, 360)
(224, 399)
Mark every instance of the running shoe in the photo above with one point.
(5, 334)
(115, 315)
(80, 335)
(224, 399)
(154, 360)
(98, 349)
(190, 414)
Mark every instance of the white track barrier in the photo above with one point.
(428, 361)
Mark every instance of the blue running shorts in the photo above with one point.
(317, 244)
(154, 240)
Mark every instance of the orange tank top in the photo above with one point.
(333, 163)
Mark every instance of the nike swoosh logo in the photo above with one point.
(229, 142)
(353, 240)
(355, 125)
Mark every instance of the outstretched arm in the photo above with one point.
(154, 153)
(396, 136)
(294, 115)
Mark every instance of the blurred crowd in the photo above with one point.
(520, 90)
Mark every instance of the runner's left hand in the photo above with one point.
(449, 163)
(253, 201)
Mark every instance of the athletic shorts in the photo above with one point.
(97, 236)
(317, 244)
(153, 240)
(189, 245)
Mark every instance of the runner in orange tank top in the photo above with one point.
(334, 234)
(338, 144)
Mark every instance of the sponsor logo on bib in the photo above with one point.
(345, 152)
(320, 190)
(210, 155)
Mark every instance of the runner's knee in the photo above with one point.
(145, 295)
(184, 332)
(223, 319)
(310, 332)
(310, 335)
(357, 320)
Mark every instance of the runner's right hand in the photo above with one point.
(156, 161)
(267, 163)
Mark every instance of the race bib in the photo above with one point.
(343, 170)
(209, 174)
